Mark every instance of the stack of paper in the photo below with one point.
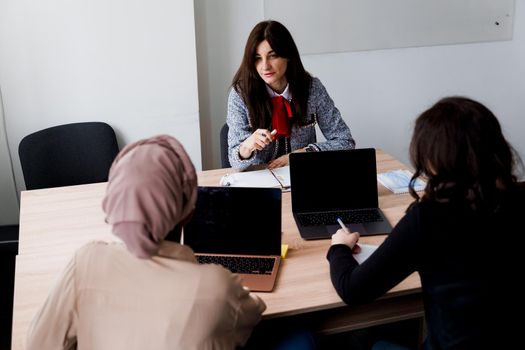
(397, 181)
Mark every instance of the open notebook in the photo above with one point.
(278, 178)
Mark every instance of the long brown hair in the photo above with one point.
(251, 87)
(458, 144)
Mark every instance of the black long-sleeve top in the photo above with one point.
(470, 267)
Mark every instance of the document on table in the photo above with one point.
(366, 251)
(282, 175)
(397, 181)
(278, 177)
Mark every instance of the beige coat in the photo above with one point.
(108, 299)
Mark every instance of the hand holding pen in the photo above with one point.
(256, 142)
(346, 237)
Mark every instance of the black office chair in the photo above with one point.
(8, 252)
(69, 154)
(224, 147)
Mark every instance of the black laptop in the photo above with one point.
(336, 184)
(239, 228)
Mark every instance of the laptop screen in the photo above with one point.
(236, 220)
(333, 180)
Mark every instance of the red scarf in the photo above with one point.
(281, 116)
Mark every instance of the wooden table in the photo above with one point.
(55, 222)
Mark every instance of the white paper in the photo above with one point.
(366, 251)
(283, 175)
(397, 181)
(259, 178)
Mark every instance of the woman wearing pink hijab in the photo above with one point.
(148, 293)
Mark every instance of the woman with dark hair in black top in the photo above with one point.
(461, 235)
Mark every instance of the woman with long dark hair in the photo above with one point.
(274, 104)
(461, 235)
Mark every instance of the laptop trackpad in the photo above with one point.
(357, 228)
(353, 227)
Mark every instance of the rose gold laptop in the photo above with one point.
(239, 228)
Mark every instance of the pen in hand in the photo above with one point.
(356, 249)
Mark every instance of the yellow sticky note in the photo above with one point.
(284, 250)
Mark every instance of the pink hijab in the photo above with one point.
(152, 187)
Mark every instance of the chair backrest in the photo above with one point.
(224, 147)
(70, 154)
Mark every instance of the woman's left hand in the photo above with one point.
(283, 160)
(279, 162)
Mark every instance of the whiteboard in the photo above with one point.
(321, 26)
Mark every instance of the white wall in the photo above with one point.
(8, 198)
(379, 93)
(221, 29)
(131, 64)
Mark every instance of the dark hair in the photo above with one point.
(459, 146)
(251, 87)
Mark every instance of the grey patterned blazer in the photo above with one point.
(321, 110)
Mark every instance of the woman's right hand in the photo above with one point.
(347, 238)
(256, 141)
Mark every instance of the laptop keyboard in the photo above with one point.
(240, 264)
(348, 217)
